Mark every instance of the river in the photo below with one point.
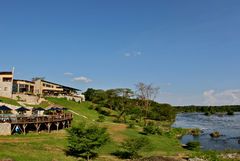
(228, 126)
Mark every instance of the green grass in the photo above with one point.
(82, 111)
(9, 101)
(48, 147)
(35, 147)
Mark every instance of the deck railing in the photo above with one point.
(35, 118)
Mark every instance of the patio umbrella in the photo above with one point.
(54, 109)
(22, 109)
(5, 108)
(64, 109)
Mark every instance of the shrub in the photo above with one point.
(103, 111)
(193, 145)
(131, 147)
(215, 134)
(101, 118)
(91, 107)
(195, 132)
(152, 129)
(131, 124)
(230, 113)
(176, 132)
(83, 140)
(73, 99)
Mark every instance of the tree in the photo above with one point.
(84, 140)
(162, 112)
(146, 93)
(38, 78)
(124, 95)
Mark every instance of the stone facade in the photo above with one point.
(5, 129)
(31, 91)
(6, 84)
(29, 99)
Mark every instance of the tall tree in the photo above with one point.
(146, 93)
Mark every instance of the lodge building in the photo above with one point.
(38, 87)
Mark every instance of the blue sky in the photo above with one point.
(190, 49)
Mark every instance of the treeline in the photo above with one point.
(124, 104)
(205, 109)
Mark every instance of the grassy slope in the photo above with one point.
(9, 101)
(44, 147)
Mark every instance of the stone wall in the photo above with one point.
(80, 98)
(6, 89)
(5, 129)
(28, 99)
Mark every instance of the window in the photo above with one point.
(5, 88)
(7, 79)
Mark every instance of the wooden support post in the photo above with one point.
(64, 122)
(57, 124)
(14, 126)
(37, 127)
(68, 124)
(49, 127)
(24, 128)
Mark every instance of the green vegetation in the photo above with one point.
(208, 110)
(83, 140)
(81, 111)
(43, 104)
(9, 101)
(195, 132)
(130, 147)
(125, 117)
(230, 113)
(151, 129)
(122, 104)
(193, 145)
(215, 134)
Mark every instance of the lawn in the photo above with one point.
(48, 147)
(9, 101)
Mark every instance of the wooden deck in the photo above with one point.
(38, 123)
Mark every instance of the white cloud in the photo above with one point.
(127, 54)
(226, 97)
(68, 74)
(133, 54)
(82, 79)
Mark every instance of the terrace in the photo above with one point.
(55, 119)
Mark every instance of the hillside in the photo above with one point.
(44, 147)
(48, 147)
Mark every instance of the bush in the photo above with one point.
(230, 113)
(101, 118)
(176, 132)
(162, 112)
(91, 107)
(152, 129)
(103, 111)
(193, 145)
(215, 134)
(83, 140)
(131, 147)
(131, 124)
(195, 132)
